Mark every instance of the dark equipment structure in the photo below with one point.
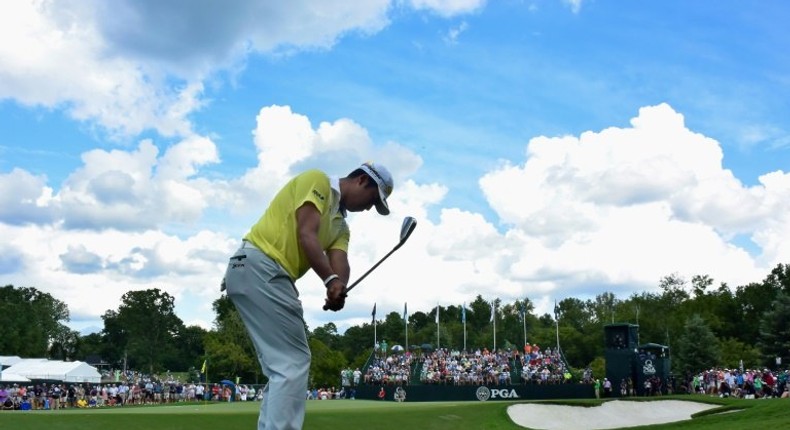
(627, 360)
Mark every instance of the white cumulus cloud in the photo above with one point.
(129, 66)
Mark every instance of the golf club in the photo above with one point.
(406, 229)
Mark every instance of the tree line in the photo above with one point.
(704, 325)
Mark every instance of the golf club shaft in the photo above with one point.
(407, 228)
(372, 268)
(354, 284)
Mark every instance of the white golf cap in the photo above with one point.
(382, 176)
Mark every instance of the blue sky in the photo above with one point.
(547, 148)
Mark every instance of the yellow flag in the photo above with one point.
(203, 369)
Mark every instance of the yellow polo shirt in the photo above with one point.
(275, 233)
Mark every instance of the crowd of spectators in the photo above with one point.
(440, 367)
(546, 366)
(127, 388)
(332, 393)
(745, 384)
(349, 381)
(653, 386)
(481, 366)
(454, 367)
(722, 382)
(390, 369)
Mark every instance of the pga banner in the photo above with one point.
(484, 393)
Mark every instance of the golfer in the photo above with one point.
(303, 228)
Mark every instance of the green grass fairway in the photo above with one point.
(334, 414)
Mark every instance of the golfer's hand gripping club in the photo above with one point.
(335, 296)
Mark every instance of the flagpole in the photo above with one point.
(557, 323)
(524, 321)
(464, 336)
(493, 320)
(494, 329)
(205, 375)
(406, 325)
(437, 326)
(463, 317)
(375, 338)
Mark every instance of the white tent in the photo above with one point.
(55, 370)
(9, 360)
(12, 377)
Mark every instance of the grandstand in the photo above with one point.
(448, 374)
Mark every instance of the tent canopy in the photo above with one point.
(9, 360)
(56, 370)
(12, 377)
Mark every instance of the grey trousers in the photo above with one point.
(269, 305)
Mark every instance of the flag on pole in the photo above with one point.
(463, 313)
(374, 313)
(405, 312)
(522, 312)
(556, 310)
(493, 311)
(203, 369)
(437, 313)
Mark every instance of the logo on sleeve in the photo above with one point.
(319, 195)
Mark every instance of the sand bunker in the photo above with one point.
(610, 415)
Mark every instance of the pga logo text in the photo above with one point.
(485, 393)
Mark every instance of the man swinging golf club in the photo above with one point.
(303, 228)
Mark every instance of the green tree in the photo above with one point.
(32, 320)
(228, 360)
(147, 321)
(328, 335)
(775, 331)
(699, 284)
(189, 349)
(392, 329)
(115, 339)
(65, 344)
(356, 344)
(697, 348)
(779, 278)
(325, 365)
(598, 367)
(228, 347)
(603, 309)
(725, 307)
(711, 304)
(733, 352)
(581, 328)
(479, 329)
(753, 301)
(90, 344)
